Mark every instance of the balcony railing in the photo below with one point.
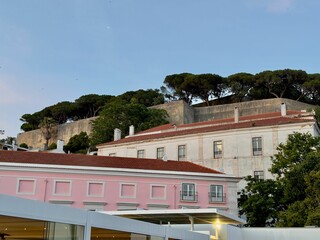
(216, 197)
(188, 196)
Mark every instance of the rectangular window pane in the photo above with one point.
(216, 193)
(257, 146)
(160, 153)
(140, 154)
(217, 149)
(188, 192)
(181, 152)
(258, 175)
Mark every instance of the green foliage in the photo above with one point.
(120, 114)
(177, 84)
(259, 200)
(285, 83)
(147, 98)
(62, 111)
(188, 87)
(52, 146)
(78, 143)
(297, 170)
(23, 145)
(48, 129)
(240, 85)
(8, 140)
(317, 113)
(87, 106)
(90, 105)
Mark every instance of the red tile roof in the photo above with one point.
(101, 161)
(261, 120)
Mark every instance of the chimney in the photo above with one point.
(236, 114)
(131, 130)
(283, 109)
(60, 144)
(117, 134)
(14, 146)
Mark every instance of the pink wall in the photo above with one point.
(80, 188)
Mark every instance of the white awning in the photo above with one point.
(180, 216)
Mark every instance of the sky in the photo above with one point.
(57, 50)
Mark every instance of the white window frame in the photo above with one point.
(184, 150)
(26, 179)
(158, 185)
(216, 193)
(95, 182)
(139, 151)
(163, 153)
(135, 190)
(188, 194)
(258, 174)
(54, 187)
(256, 146)
(217, 154)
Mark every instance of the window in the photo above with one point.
(160, 153)
(258, 175)
(181, 152)
(26, 186)
(257, 146)
(128, 190)
(62, 187)
(217, 149)
(158, 192)
(140, 154)
(112, 154)
(95, 189)
(216, 194)
(188, 192)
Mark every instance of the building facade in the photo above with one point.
(113, 183)
(240, 146)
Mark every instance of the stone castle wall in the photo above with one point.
(64, 132)
(247, 108)
(179, 113)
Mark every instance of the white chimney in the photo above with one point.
(131, 130)
(117, 134)
(236, 114)
(60, 144)
(283, 109)
(14, 146)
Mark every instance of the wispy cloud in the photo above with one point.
(279, 6)
(272, 6)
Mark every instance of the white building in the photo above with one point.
(241, 146)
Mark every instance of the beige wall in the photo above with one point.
(237, 158)
(247, 108)
(179, 113)
(64, 132)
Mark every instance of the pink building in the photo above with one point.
(115, 183)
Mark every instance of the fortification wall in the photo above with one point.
(64, 132)
(178, 113)
(247, 108)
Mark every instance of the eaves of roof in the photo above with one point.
(55, 159)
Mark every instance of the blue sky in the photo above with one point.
(58, 50)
